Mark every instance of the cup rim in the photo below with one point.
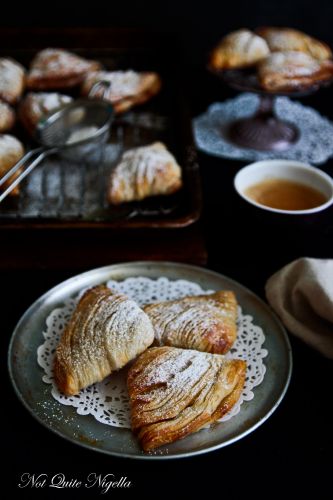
(294, 165)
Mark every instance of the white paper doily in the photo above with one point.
(108, 401)
(315, 144)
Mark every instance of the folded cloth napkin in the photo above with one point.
(301, 293)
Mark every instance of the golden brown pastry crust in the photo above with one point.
(127, 89)
(287, 39)
(288, 71)
(57, 69)
(203, 322)
(36, 105)
(12, 80)
(175, 392)
(11, 151)
(143, 172)
(238, 49)
(106, 331)
(7, 117)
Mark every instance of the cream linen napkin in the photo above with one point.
(301, 293)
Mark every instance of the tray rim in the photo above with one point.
(113, 267)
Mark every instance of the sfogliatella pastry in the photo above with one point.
(37, 105)
(12, 80)
(58, 68)
(202, 322)
(11, 151)
(287, 39)
(238, 49)
(285, 71)
(175, 392)
(7, 117)
(126, 89)
(105, 332)
(143, 172)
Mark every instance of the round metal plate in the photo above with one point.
(26, 375)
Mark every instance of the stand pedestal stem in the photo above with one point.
(263, 131)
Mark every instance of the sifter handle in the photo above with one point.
(28, 162)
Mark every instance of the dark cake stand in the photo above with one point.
(263, 131)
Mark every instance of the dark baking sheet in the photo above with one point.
(62, 194)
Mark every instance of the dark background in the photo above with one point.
(291, 454)
(198, 23)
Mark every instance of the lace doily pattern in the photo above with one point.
(315, 144)
(108, 400)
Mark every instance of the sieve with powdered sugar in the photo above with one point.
(76, 131)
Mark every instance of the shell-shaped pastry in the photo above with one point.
(127, 88)
(58, 68)
(238, 49)
(175, 392)
(202, 322)
(11, 151)
(36, 105)
(7, 117)
(12, 80)
(143, 172)
(287, 39)
(283, 71)
(105, 332)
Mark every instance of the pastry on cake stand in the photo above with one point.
(264, 131)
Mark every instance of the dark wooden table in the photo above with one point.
(291, 454)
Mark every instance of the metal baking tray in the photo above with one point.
(60, 194)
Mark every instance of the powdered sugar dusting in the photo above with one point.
(44, 102)
(122, 83)
(250, 43)
(137, 174)
(10, 146)
(111, 329)
(108, 401)
(58, 62)
(205, 323)
(279, 40)
(291, 64)
(169, 382)
(251, 46)
(82, 134)
(10, 73)
(178, 368)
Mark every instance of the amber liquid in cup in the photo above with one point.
(284, 194)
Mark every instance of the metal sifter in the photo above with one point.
(75, 131)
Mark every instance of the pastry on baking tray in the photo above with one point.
(105, 332)
(238, 49)
(175, 392)
(12, 80)
(7, 117)
(143, 172)
(202, 322)
(287, 39)
(58, 68)
(11, 151)
(285, 71)
(36, 105)
(127, 88)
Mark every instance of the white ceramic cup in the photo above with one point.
(288, 170)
